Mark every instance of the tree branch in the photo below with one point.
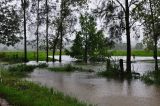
(121, 5)
(133, 2)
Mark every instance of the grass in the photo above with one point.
(69, 68)
(66, 68)
(151, 77)
(19, 92)
(134, 52)
(10, 56)
(20, 70)
(42, 65)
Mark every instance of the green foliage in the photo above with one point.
(9, 24)
(77, 48)
(89, 41)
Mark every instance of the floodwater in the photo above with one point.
(90, 88)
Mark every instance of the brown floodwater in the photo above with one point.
(100, 91)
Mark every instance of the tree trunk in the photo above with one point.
(86, 50)
(54, 45)
(154, 37)
(61, 43)
(61, 33)
(25, 35)
(128, 65)
(38, 32)
(47, 31)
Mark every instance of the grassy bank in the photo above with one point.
(24, 93)
(134, 52)
(10, 56)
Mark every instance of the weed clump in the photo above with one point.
(66, 68)
(151, 77)
(42, 65)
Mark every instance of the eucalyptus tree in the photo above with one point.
(36, 9)
(24, 5)
(118, 17)
(65, 16)
(148, 12)
(9, 24)
(47, 26)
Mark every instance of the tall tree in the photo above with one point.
(37, 30)
(47, 25)
(118, 18)
(24, 6)
(65, 12)
(148, 13)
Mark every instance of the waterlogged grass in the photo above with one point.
(69, 68)
(151, 77)
(20, 70)
(19, 92)
(66, 68)
(19, 56)
(133, 52)
(42, 65)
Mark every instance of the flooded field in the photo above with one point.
(101, 91)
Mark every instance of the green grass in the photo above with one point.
(24, 93)
(151, 77)
(10, 56)
(134, 52)
(20, 70)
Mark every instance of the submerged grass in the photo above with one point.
(69, 68)
(19, 92)
(66, 68)
(151, 77)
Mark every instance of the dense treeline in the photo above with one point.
(48, 24)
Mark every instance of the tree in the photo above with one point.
(37, 30)
(47, 25)
(148, 13)
(24, 5)
(118, 18)
(9, 24)
(77, 47)
(89, 41)
(65, 13)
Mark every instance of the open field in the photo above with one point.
(134, 52)
(19, 55)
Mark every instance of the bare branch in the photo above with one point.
(121, 5)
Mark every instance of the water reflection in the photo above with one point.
(98, 90)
